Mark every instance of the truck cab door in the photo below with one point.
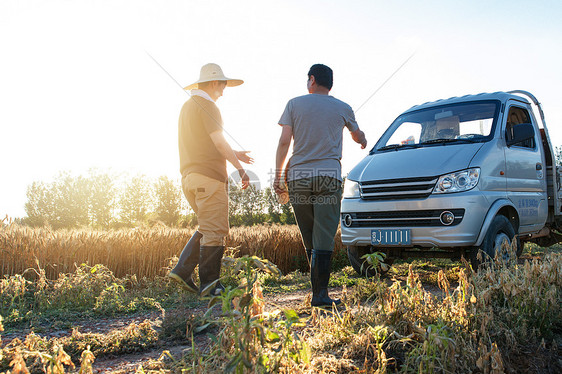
(525, 171)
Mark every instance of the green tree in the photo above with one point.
(278, 213)
(273, 207)
(246, 207)
(70, 196)
(168, 201)
(38, 204)
(135, 200)
(102, 197)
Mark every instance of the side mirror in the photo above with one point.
(521, 132)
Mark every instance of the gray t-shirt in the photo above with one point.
(317, 122)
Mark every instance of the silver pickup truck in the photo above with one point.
(451, 177)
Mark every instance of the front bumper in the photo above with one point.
(463, 234)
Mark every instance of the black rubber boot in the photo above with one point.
(189, 258)
(320, 277)
(209, 270)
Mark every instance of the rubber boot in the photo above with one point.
(320, 277)
(189, 258)
(209, 270)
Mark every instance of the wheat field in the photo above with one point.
(145, 252)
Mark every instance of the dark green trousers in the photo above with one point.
(316, 202)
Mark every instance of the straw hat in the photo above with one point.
(213, 72)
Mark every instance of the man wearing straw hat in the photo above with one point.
(315, 123)
(203, 154)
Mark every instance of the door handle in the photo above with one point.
(539, 166)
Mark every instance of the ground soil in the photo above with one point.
(128, 363)
(533, 360)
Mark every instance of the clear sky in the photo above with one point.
(78, 89)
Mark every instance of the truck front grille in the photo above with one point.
(392, 189)
(404, 218)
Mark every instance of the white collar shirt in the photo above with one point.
(202, 94)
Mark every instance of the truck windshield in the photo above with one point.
(451, 124)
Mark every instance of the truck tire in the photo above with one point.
(499, 231)
(354, 253)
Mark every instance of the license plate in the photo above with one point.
(391, 236)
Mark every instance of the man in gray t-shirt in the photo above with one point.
(316, 123)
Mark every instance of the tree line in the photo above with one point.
(104, 200)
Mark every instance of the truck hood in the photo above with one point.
(417, 162)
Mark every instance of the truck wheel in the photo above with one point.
(362, 267)
(500, 231)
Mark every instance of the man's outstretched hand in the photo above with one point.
(243, 156)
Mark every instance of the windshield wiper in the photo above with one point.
(441, 140)
(396, 146)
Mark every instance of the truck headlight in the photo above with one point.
(351, 189)
(456, 182)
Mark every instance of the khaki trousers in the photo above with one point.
(208, 198)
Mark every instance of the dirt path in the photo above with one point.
(298, 300)
(129, 363)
